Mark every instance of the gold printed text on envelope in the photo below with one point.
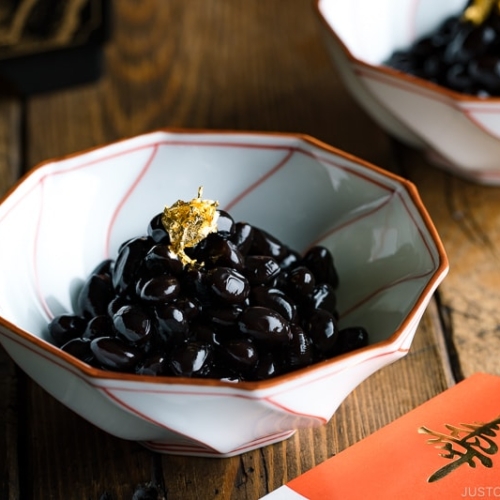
(470, 444)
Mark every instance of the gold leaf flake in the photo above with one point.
(187, 223)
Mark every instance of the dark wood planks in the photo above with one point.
(10, 170)
(467, 216)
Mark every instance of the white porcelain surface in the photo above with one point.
(458, 132)
(67, 215)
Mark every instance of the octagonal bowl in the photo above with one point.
(67, 215)
(456, 131)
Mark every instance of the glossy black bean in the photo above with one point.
(219, 252)
(260, 269)
(402, 61)
(113, 353)
(118, 302)
(275, 299)
(228, 285)
(264, 325)
(173, 326)
(191, 359)
(193, 284)
(268, 366)
(95, 295)
(435, 69)
(457, 78)
(300, 283)
(104, 267)
(322, 328)
(160, 260)
(486, 71)
(455, 52)
(351, 338)
(190, 306)
(127, 262)
(421, 49)
(324, 296)
(157, 365)
(446, 31)
(242, 237)
(290, 260)
(223, 316)
(264, 243)
(299, 351)
(477, 42)
(66, 327)
(98, 326)
(156, 230)
(240, 354)
(225, 223)
(158, 289)
(80, 349)
(206, 333)
(319, 260)
(133, 324)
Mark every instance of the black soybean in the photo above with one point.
(127, 263)
(228, 284)
(191, 359)
(157, 231)
(275, 299)
(319, 261)
(323, 296)
(158, 289)
(458, 55)
(115, 354)
(66, 327)
(300, 351)
(242, 237)
(79, 348)
(96, 294)
(264, 324)
(98, 326)
(133, 324)
(173, 325)
(241, 354)
(351, 338)
(323, 329)
(261, 269)
(160, 259)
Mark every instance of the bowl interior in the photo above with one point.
(371, 31)
(68, 215)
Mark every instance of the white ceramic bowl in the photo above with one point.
(458, 132)
(67, 215)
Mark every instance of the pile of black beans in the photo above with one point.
(459, 55)
(250, 309)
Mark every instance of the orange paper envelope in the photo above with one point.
(447, 448)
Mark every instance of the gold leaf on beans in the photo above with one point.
(188, 223)
(479, 10)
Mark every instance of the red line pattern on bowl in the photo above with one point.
(154, 145)
(273, 170)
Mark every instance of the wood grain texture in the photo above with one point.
(467, 217)
(218, 64)
(10, 169)
(11, 112)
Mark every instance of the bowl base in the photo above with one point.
(196, 449)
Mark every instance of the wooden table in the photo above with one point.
(248, 65)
